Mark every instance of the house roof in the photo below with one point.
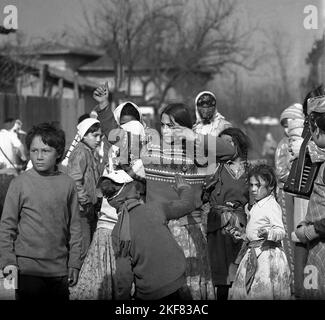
(68, 76)
(104, 63)
(48, 49)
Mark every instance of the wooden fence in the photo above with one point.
(33, 110)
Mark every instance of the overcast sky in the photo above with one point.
(40, 17)
(43, 17)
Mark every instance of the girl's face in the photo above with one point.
(92, 139)
(168, 125)
(258, 188)
(43, 156)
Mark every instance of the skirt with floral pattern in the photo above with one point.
(271, 281)
(191, 238)
(96, 277)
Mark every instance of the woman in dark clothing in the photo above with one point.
(227, 193)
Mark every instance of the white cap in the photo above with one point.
(84, 125)
(118, 176)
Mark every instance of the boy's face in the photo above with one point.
(92, 139)
(43, 156)
(258, 189)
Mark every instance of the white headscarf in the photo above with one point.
(82, 128)
(218, 121)
(118, 110)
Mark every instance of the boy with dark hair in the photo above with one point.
(40, 230)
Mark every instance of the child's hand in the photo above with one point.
(101, 96)
(262, 233)
(300, 233)
(180, 182)
(184, 132)
(236, 234)
(73, 277)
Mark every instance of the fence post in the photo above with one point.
(43, 70)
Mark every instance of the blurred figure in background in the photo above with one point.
(269, 147)
(12, 152)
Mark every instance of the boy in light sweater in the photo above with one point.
(40, 228)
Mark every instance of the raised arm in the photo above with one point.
(104, 111)
(208, 149)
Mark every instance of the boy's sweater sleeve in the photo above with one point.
(76, 168)
(9, 226)
(75, 239)
(123, 274)
(178, 208)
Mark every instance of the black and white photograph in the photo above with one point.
(162, 151)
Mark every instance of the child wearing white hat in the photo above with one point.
(84, 168)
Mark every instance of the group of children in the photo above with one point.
(55, 231)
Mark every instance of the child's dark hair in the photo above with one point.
(108, 187)
(181, 113)
(242, 143)
(50, 135)
(130, 110)
(240, 139)
(95, 127)
(317, 119)
(83, 117)
(267, 173)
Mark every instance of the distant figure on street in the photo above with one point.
(269, 148)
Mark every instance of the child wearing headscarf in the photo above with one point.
(83, 167)
(96, 278)
(208, 119)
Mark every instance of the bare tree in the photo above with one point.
(13, 62)
(279, 61)
(176, 43)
